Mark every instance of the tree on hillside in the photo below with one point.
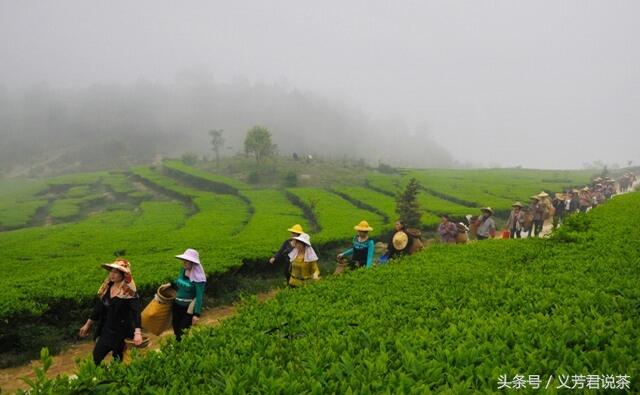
(217, 142)
(258, 143)
(407, 206)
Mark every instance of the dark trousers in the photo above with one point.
(108, 343)
(515, 233)
(537, 227)
(180, 319)
(481, 237)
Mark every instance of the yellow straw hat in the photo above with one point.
(400, 241)
(363, 226)
(296, 229)
(543, 194)
(487, 209)
(517, 204)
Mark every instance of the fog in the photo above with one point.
(537, 84)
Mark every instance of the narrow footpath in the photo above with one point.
(65, 362)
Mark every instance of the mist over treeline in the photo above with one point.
(103, 126)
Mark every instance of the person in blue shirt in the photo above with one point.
(363, 248)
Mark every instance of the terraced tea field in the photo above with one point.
(56, 231)
(455, 319)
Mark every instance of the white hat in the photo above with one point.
(304, 238)
(190, 255)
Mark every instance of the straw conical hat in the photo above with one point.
(400, 241)
(363, 226)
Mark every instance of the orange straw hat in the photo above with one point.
(119, 264)
(128, 288)
(363, 226)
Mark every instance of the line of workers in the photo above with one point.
(116, 315)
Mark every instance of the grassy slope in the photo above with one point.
(453, 318)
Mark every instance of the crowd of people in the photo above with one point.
(117, 310)
(528, 221)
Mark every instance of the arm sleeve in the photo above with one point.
(199, 296)
(348, 252)
(280, 253)
(370, 252)
(95, 314)
(509, 225)
(315, 268)
(174, 284)
(134, 305)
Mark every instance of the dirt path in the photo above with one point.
(65, 362)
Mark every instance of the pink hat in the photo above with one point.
(190, 255)
(197, 271)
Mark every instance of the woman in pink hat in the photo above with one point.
(190, 292)
(117, 312)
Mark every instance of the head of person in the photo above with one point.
(399, 225)
(363, 229)
(517, 207)
(118, 270)
(445, 219)
(190, 259)
(487, 212)
(302, 241)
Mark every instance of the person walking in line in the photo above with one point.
(117, 312)
(486, 225)
(515, 223)
(447, 230)
(585, 200)
(189, 286)
(362, 248)
(403, 242)
(538, 211)
(571, 204)
(282, 256)
(304, 262)
(559, 206)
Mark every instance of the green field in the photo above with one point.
(461, 316)
(60, 229)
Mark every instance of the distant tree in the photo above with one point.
(291, 179)
(189, 158)
(217, 142)
(258, 143)
(407, 206)
(385, 168)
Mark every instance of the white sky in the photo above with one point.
(533, 83)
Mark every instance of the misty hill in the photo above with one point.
(103, 126)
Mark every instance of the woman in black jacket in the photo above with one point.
(117, 311)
